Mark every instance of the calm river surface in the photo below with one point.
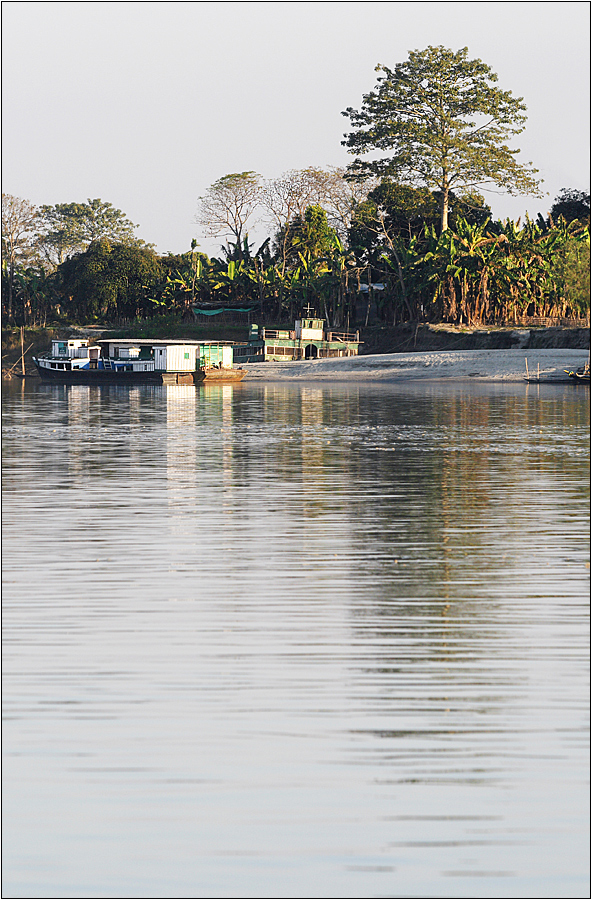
(283, 640)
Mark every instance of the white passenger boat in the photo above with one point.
(128, 361)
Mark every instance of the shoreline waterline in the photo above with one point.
(474, 365)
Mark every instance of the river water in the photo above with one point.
(282, 640)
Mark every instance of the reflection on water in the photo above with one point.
(290, 641)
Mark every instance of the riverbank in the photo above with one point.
(431, 338)
(476, 365)
(407, 351)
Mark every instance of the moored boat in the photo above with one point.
(126, 361)
(308, 340)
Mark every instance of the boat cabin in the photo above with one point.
(69, 349)
(73, 353)
(165, 356)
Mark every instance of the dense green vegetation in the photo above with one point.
(410, 232)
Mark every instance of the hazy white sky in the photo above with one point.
(146, 104)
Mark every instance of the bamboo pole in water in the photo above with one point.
(13, 367)
(23, 349)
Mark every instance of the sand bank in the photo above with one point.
(477, 365)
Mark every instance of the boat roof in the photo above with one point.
(161, 342)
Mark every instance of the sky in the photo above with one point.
(144, 105)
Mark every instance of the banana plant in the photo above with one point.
(339, 264)
(266, 280)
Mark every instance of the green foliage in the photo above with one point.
(478, 274)
(34, 299)
(423, 231)
(405, 210)
(309, 236)
(185, 281)
(471, 274)
(574, 274)
(69, 228)
(19, 223)
(444, 124)
(571, 205)
(314, 237)
(171, 325)
(116, 280)
(394, 210)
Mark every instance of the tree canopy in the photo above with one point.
(68, 228)
(229, 204)
(308, 237)
(445, 125)
(19, 222)
(570, 205)
(109, 279)
(398, 210)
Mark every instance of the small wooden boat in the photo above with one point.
(581, 375)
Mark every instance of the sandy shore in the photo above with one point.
(477, 365)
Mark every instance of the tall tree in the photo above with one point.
(19, 222)
(228, 205)
(68, 228)
(444, 123)
(309, 237)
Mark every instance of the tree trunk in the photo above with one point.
(326, 312)
(402, 283)
(444, 207)
(400, 274)
(10, 284)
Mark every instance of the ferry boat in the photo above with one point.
(133, 361)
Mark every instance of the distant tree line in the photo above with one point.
(387, 249)
(410, 231)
